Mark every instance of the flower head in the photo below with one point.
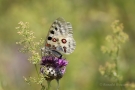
(53, 67)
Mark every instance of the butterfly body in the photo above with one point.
(59, 39)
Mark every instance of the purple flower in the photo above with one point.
(53, 67)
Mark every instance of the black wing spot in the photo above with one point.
(52, 32)
(65, 49)
(49, 38)
(56, 28)
(59, 24)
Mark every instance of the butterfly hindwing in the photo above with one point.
(60, 37)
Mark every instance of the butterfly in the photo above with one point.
(59, 39)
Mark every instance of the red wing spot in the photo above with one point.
(48, 45)
(64, 41)
(65, 49)
(54, 39)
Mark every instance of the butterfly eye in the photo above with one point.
(64, 41)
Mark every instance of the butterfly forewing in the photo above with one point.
(60, 37)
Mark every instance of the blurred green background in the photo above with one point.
(91, 20)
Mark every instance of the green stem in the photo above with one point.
(116, 62)
(36, 70)
(49, 84)
(116, 59)
(57, 84)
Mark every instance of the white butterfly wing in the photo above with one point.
(60, 37)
